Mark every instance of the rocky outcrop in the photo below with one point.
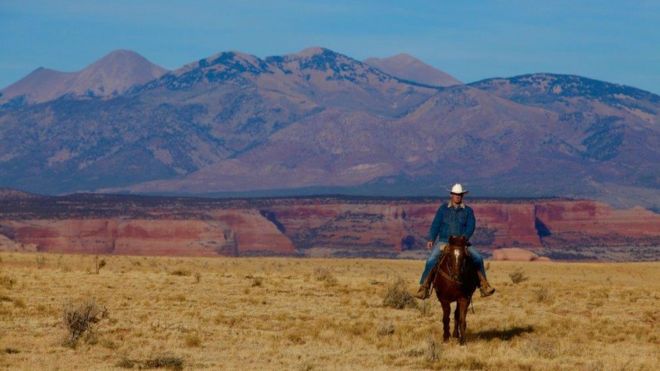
(517, 254)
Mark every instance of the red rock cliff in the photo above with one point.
(338, 226)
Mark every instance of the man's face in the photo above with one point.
(456, 198)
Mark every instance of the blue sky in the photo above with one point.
(617, 41)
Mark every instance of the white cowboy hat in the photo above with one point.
(458, 189)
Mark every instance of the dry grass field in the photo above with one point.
(317, 314)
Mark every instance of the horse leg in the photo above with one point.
(462, 308)
(457, 320)
(446, 311)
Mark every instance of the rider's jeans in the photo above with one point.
(436, 254)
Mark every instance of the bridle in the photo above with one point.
(457, 247)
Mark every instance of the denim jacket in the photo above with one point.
(452, 220)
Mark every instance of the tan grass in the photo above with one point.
(323, 314)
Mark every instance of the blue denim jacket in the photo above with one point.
(452, 220)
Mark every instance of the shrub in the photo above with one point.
(385, 329)
(518, 276)
(7, 282)
(19, 303)
(324, 275)
(126, 363)
(80, 320)
(193, 340)
(98, 264)
(543, 295)
(398, 297)
(180, 272)
(257, 281)
(168, 362)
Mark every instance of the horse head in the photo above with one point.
(457, 250)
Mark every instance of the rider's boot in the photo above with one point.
(424, 290)
(484, 287)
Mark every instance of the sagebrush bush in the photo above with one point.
(98, 264)
(80, 320)
(385, 329)
(257, 281)
(397, 296)
(518, 276)
(180, 272)
(163, 361)
(543, 295)
(193, 340)
(7, 282)
(324, 275)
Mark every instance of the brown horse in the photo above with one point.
(455, 281)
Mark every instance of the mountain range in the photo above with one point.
(318, 121)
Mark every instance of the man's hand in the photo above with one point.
(429, 245)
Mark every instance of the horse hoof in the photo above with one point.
(445, 339)
(463, 342)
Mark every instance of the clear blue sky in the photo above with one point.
(617, 41)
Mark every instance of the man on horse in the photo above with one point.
(453, 218)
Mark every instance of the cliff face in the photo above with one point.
(233, 235)
(332, 226)
(594, 230)
(388, 228)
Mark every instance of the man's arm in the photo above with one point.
(435, 226)
(470, 223)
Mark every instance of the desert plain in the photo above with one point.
(320, 314)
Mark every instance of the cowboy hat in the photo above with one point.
(458, 189)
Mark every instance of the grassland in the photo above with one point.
(282, 313)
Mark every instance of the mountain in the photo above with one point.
(109, 76)
(210, 110)
(318, 121)
(407, 67)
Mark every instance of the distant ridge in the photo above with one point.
(109, 76)
(11, 193)
(407, 67)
